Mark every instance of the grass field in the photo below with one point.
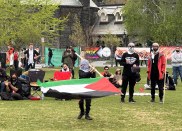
(107, 113)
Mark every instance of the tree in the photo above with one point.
(154, 20)
(27, 21)
(77, 37)
(111, 39)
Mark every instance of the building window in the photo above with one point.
(119, 17)
(103, 17)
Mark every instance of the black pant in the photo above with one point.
(16, 96)
(73, 73)
(132, 81)
(160, 83)
(16, 64)
(88, 104)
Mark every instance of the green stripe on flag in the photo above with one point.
(69, 82)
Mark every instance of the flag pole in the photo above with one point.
(164, 80)
(89, 65)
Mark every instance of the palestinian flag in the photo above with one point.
(79, 88)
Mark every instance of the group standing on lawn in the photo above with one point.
(156, 69)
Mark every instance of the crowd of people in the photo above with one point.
(130, 62)
(21, 58)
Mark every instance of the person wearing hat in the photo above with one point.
(128, 60)
(176, 60)
(156, 69)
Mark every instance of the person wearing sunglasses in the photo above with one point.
(107, 74)
(128, 60)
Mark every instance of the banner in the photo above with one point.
(93, 52)
(57, 56)
(167, 51)
(142, 52)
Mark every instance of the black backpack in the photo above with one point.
(171, 83)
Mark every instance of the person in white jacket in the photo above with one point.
(176, 60)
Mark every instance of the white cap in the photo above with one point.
(131, 44)
(156, 44)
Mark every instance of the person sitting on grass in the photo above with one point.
(3, 77)
(107, 74)
(65, 68)
(14, 89)
(117, 79)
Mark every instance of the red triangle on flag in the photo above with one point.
(141, 89)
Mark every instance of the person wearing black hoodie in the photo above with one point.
(85, 72)
(128, 60)
(3, 77)
(50, 57)
(14, 88)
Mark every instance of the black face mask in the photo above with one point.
(155, 49)
(14, 78)
(177, 50)
(65, 69)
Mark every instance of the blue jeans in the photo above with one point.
(175, 69)
(28, 66)
(3, 87)
(49, 61)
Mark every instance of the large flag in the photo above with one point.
(79, 88)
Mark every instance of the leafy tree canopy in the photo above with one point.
(27, 21)
(154, 20)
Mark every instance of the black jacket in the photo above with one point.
(50, 53)
(34, 53)
(83, 74)
(3, 76)
(133, 59)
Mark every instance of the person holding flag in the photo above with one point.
(85, 72)
(156, 70)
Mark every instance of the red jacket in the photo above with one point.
(161, 66)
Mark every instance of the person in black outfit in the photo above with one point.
(73, 60)
(24, 59)
(31, 58)
(128, 60)
(3, 77)
(50, 57)
(85, 72)
(14, 88)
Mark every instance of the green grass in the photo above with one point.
(107, 113)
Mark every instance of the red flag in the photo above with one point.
(62, 75)
(141, 89)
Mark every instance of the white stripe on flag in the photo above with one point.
(68, 88)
